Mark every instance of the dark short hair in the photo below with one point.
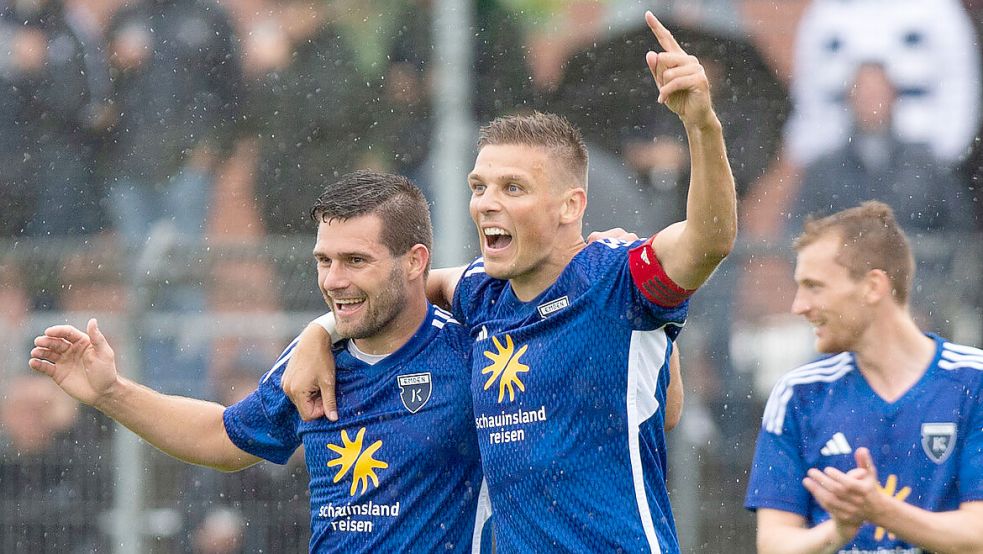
(870, 238)
(395, 199)
(550, 131)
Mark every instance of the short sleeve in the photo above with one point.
(778, 470)
(971, 464)
(265, 423)
(464, 293)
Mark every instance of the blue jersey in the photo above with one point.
(568, 392)
(399, 471)
(927, 445)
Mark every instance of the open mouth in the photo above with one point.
(344, 306)
(497, 238)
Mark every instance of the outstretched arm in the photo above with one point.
(309, 380)
(690, 250)
(84, 366)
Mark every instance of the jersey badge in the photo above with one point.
(938, 440)
(414, 390)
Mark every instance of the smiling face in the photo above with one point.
(829, 298)
(363, 283)
(518, 206)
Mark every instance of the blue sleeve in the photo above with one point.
(464, 292)
(265, 423)
(777, 471)
(971, 463)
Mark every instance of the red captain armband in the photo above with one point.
(651, 278)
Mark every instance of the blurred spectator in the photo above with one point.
(875, 164)
(927, 48)
(499, 72)
(219, 533)
(15, 309)
(177, 79)
(48, 112)
(310, 107)
(52, 487)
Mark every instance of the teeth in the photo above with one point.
(348, 300)
(496, 231)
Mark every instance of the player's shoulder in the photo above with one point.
(475, 285)
(448, 330)
(271, 379)
(603, 256)
(820, 372)
(808, 380)
(474, 274)
(960, 361)
(610, 249)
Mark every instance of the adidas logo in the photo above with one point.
(836, 446)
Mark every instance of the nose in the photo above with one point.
(334, 277)
(800, 305)
(487, 201)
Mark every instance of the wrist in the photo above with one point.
(707, 124)
(111, 396)
(329, 325)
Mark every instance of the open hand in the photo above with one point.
(83, 364)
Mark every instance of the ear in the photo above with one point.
(417, 261)
(877, 286)
(574, 204)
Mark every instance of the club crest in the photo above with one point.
(938, 440)
(414, 390)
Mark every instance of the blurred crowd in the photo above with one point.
(131, 127)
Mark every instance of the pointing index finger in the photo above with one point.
(665, 38)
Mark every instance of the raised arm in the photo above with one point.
(84, 366)
(690, 250)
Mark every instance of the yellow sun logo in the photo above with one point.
(890, 489)
(350, 455)
(505, 367)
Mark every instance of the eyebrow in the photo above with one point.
(474, 176)
(359, 253)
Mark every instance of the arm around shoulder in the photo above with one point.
(441, 284)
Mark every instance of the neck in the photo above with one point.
(893, 353)
(399, 331)
(532, 284)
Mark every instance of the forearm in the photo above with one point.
(441, 284)
(711, 205)
(951, 532)
(821, 539)
(188, 429)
